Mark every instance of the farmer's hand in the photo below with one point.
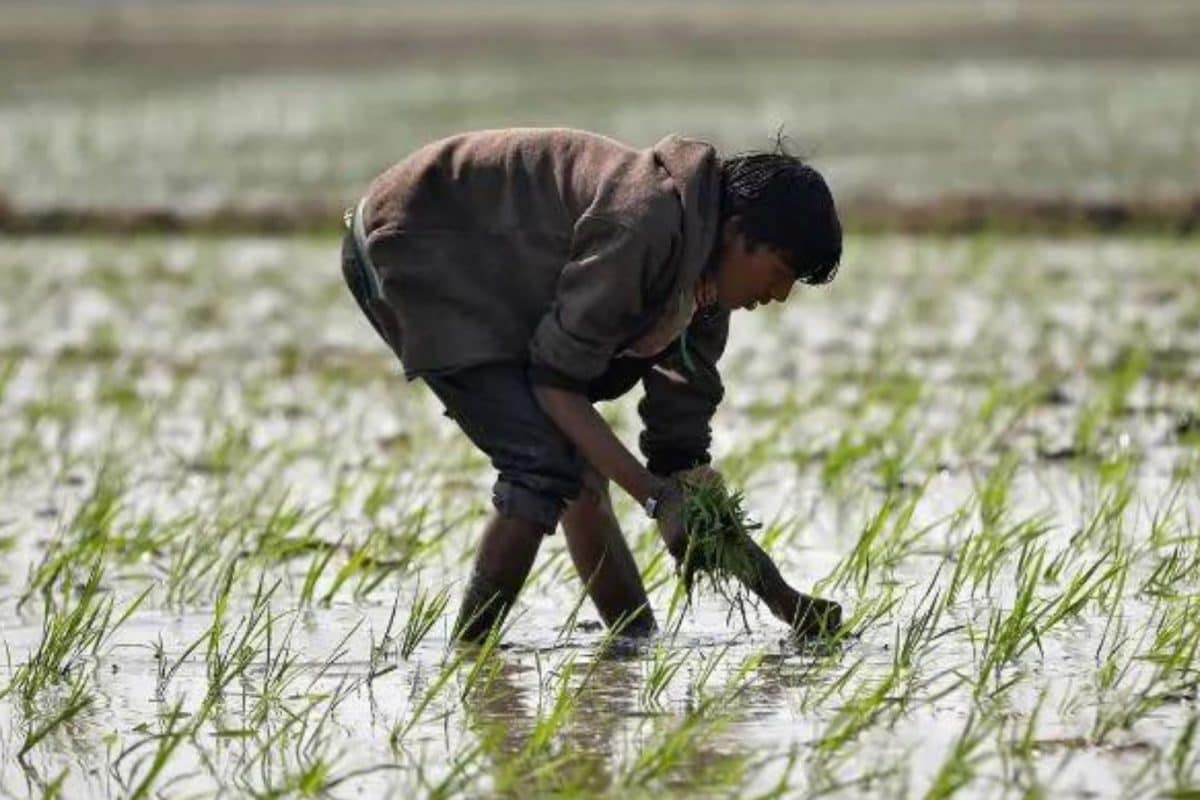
(702, 475)
(669, 516)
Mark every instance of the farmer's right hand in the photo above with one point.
(669, 516)
(702, 475)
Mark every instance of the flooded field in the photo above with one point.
(234, 539)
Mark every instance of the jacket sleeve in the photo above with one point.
(599, 304)
(682, 393)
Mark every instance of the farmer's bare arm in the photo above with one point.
(588, 431)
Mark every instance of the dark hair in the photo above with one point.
(784, 203)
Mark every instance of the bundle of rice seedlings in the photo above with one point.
(719, 544)
(721, 551)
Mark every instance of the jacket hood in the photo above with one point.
(695, 171)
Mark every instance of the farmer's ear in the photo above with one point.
(731, 229)
(732, 235)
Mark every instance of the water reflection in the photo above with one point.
(590, 720)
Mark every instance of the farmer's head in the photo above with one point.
(778, 226)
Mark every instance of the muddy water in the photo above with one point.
(227, 398)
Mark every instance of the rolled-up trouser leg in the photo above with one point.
(538, 470)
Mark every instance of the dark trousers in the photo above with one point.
(538, 469)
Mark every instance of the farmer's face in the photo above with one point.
(748, 277)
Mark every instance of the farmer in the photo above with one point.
(525, 274)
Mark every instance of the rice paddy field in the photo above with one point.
(234, 538)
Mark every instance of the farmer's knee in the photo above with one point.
(539, 489)
(593, 492)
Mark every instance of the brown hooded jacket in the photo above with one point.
(562, 250)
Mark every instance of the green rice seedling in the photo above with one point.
(1003, 408)
(1012, 633)
(961, 764)
(983, 556)
(228, 448)
(1173, 576)
(783, 784)
(486, 661)
(1104, 530)
(542, 761)
(1184, 760)
(657, 571)
(273, 542)
(1167, 519)
(69, 639)
(53, 789)
(825, 777)
(1114, 665)
(679, 748)
(229, 657)
(719, 545)
(698, 686)
(572, 621)
(7, 372)
(316, 568)
(52, 410)
(894, 461)
(993, 493)
(912, 644)
(166, 672)
(78, 699)
(426, 611)
(85, 538)
(382, 553)
(435, 687)
(664, 665)
(1126, 370)
(860, 711)
(458, 780)
(1121, 713)
(847, 451)
(1009, 634)
(886, 540)
(819, 693)
(178, 726)
(1122, 699)
(679, 755)
(922, 630)
(275, 676)
(1018, 748)
(1089, 424)
(310, 766)
(356, 565)
(381, 493)
(1175, 642)
(617, 627)
(381, 650)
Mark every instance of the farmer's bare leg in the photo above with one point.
(603, 560)
(506, 553)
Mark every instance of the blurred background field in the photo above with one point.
(190, 106)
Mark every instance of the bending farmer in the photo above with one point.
(525, 274)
